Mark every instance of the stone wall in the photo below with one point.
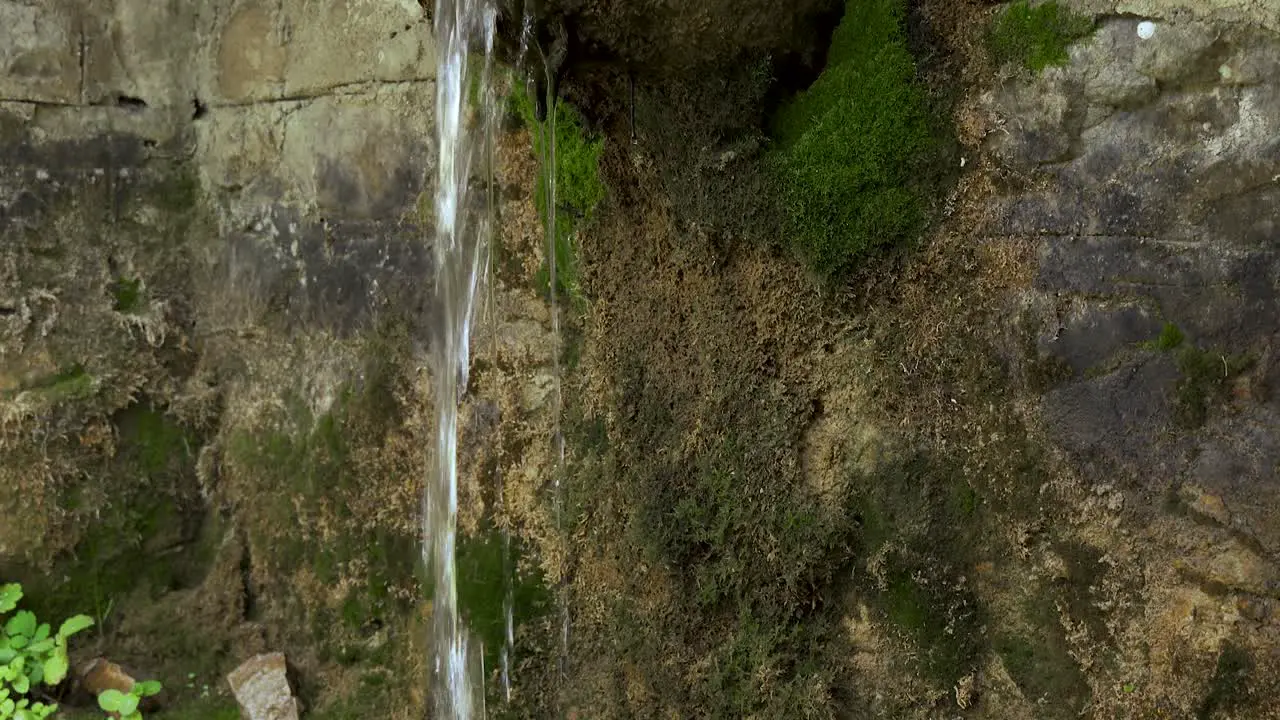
(212, 255)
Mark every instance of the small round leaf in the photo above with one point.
(73, 625)
(146, 688)
(9, 596)
(128, 705)
(111, 700)
(24, 624)
(55, 668)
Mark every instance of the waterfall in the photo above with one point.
(461, 262)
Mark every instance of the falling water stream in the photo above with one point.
(462, 28)
(465, 32)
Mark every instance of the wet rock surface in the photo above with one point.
(209, 213)
(1148, 173)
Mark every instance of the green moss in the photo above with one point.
(206, 708)
(375, 696)
(578, 187)
(760, 670)
(127, 295)
(70, 383)
(1229, 685)
(143, 537)
(1041, 665)
(1170, 337)
(485, 571)
(1205, 375)
(1036, 37)
(309, 463)
(765, 551)
(1033, 642)
(940, 619)
(179, 192)
(1205, 380)
(856, 153)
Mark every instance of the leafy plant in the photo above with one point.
(1036, 36)
(30, 654)
(125, 705)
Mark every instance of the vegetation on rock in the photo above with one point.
(855, 160)
(124, 705)
(578, 188)
(30, 655)
(1036, 36)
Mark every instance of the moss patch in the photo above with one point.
(857, 152)
(1229, 686)
(146, 528)
(578, 187)
(126, 294)
(488, 568)
(1036, 36)
(70, 383)
(1033, 647)
(1206, 375)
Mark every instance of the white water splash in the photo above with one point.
(461, 262)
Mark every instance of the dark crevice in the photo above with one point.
(130, 102)
(199, 109)
(246, 579)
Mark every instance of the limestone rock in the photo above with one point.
(39, 52)
(1153, 175)
(261, 687)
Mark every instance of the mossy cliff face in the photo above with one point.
(212, 289)
(982, 477)
(979, 478)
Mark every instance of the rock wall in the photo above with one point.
(212, 283)
(1146, 175)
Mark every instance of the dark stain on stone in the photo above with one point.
(337, 274)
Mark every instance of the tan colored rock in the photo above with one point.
(39, 52)
(351, 41)
(1205, 503)
(147, 55)
(1262, 12)
(354, 155)
(100, 674)
(251, 55)
(300, 49)
(261, 687)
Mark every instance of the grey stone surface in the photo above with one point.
(244, 169)
(1148, 172)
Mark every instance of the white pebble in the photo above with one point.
(1146, 29)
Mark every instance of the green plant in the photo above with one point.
(854, 153)
(1170, 337)
(30, 655)
(578, 188)
(127, 295)
(125, 705)
(1036, 36)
